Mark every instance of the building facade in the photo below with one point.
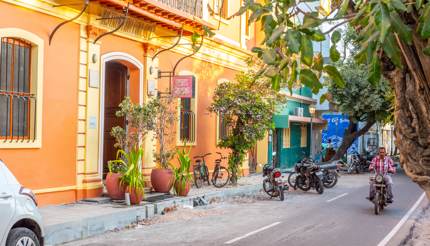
(61, 82)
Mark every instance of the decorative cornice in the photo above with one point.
(215, 52)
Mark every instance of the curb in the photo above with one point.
(87, 227)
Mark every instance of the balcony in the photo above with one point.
(191, 7)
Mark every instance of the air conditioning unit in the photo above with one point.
(298, 111)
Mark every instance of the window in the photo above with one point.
(17, 103)
(187, 120)
(304, 137)
(21, 89)
(221, 8)
(286, 138)
(187, 116)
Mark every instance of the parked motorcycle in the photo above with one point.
(380, 199)
(273, 184)
(307, 175)
(329, 170)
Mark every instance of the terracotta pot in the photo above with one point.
(181, 190)
(115, 190)
(135, 196)
(162, 180)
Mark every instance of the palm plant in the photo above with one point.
(182, 172)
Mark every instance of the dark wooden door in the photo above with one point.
(116, 77)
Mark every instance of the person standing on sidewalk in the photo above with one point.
(384, 165)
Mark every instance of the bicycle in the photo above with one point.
(221, 175)
(201, 171)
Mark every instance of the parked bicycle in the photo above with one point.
(221, 175)
(201, 171)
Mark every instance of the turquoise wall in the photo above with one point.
(289, 156)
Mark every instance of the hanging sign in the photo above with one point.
(183, 86)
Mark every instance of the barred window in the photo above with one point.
(187, 121)
(17, 104)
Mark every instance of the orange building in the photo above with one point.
(61, 84)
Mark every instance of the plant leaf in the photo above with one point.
(385, 22)
(334, 75)
(335, 37)
(307, 50)
(293, 39)
(269, 56)
(375, 70)
(334, 54)
(404, 31)
(276, 34)
(426, 50)
(425, 22)
(318, 36)
(398, 4)
(392, 50)
(309, 79)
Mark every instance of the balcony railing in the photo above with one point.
(192, 7)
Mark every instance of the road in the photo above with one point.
(341, 216)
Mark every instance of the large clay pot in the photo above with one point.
(162, 180)
(135, 196)
(115, 190)
(182, 190)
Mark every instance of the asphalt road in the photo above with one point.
(341, 216)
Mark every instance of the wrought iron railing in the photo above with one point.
(187, 131)
(192, 7)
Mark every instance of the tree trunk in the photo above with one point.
(412, 114)
(349, 137)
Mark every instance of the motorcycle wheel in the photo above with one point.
(301, 183)
(292, 180)
(376, 204)
(269, 188)
(319, 186)
(330, 180)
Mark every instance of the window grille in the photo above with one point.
(17, 103)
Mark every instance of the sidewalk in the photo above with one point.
(69, 222)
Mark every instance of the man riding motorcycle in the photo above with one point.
(383, 165)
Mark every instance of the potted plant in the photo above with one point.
(162, 176)
(182, 173)
(133, 176)
(140, 119)
(115, 190)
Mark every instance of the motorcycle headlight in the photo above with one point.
(379, 178)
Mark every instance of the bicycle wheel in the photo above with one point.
(198, 181)
(205, 172)
(220, 177)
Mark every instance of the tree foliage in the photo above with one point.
(393, 36)
(360, 100)
(247, 106)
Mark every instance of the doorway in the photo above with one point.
(116, 83)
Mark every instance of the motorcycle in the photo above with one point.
(354, 164)
(307, 175)
(273, 184)
(380, 199)
(329, 170)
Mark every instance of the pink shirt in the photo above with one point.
(382, 166)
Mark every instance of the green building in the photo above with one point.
(293, 137)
